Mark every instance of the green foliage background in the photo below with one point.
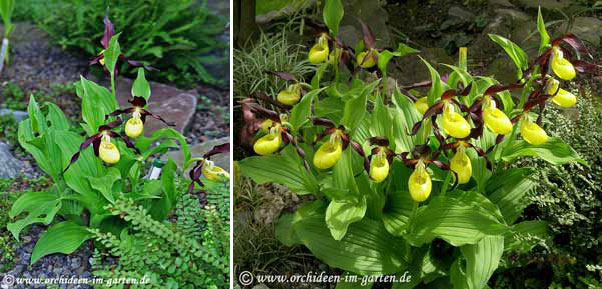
(179, 37)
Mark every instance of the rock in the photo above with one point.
(288, 10)
(410, 69)
(503, 69)
(221, 8)
(17, 114)
(508, 23)
(9, 165)
(375, 16)
(460, 13)
(221, 160)
(544, 4)
(494, 4)
(588, 29)
(172, 104)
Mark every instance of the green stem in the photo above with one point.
(445, 184)
(113, 85)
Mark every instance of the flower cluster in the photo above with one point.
(456, 118)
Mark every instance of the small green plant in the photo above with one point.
(93, 173)
(175, 254)
(406, 183)
(178, 37)
(6, 12)
(272, 52)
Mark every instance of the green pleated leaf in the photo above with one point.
(112, 53)
(455, 220)
(104, 184)
(285, 168)
(554, 151)
(482, 259)
(405, 115)
(397, 212)
(543, 34)
(40, 207)
(385, 56)
(141, 87)
(285, 232)
(366, 249)
(526, 235)
(56, 117)
(302, 111)
(354, 111)
(508, 191)
(518, 56)
(341, 213)
(382, 123)
(333, 14)
(437, 86)
(63, 237)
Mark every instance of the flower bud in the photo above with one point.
(328, 155)
(290, 95)
(379, 168)
(134, 127)
(422, 105)
(420, 183)
(319, 52)
(461, 165)
(365, 59)
(454, 124)
(563, 68)
(213, 172)
(533, 133)
(268, 144)
(497, 121)
(108, 152)
(101, 60)
(331, 57)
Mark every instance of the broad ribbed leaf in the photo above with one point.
(554, 151)
(27, 141)
(302, 110)
(525, 235)
(543, 34)
(437, 86)
(514, 51)
(38, 121)
(112, 53)
(104, 184)
(382, 123)
(341, 213)
(141, 87)
(397, 212)
(366, 249)
(454, 220)
(482, 259)
(63, 237)
(285, 168)
(333, 14)
(405, 115)
(285, 232)
(41, 207)
(385, 56)
(508, 190)
(354, 111)
(56, 117)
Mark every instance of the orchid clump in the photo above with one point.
(392, 169)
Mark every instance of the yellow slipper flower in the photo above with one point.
(533, 133)
(462, 166)
(563, 68)
(420, 183)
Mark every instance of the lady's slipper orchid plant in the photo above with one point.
(204, 166)
(380, 158)
(469, 130)
(420, 183)
(320, 52)
(293, 92)
(104, 41)
(101, 142)
(134, 127)
(329, 153)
